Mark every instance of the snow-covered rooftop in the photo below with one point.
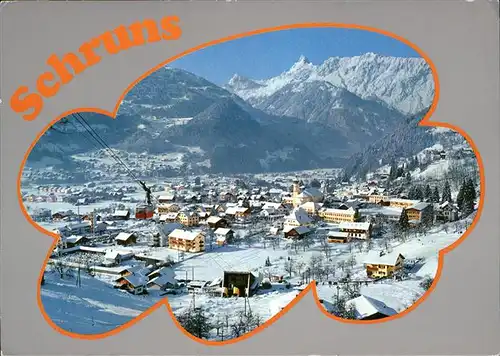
(184, 235)
(355, 225)
(366, 306)
(389, 259)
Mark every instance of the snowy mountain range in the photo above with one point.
(404, 84)
(310, 116)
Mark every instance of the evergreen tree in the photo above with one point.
(446, 193)
(427, 283)
(408, 177)
(400, 171)
(403, 223)
(435, 195)
(412, 193)
(428, 193)
(419, 195)
(469, 197)
(196, 323)
(394, 171)
(460, 196)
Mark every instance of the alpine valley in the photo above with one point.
(308, 117)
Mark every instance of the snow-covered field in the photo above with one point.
(94, 307)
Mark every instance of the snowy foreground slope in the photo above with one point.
(92, 308)
(96, 307)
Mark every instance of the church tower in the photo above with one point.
(295, 193)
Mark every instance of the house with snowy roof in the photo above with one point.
(296, 232)
(121, 215)
(446, 212)
(188, 218)
(356, 230)
(223, 236)
(298, 217)
(367, 308)
(419, 213)
(188, 241)
(133, 283)
(312, 208)
(380, 265)
(161, 279)
(126, 238)
(215, 222)
(338, 215)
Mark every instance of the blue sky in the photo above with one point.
(266, 55)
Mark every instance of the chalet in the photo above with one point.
(169, 217)
(158, 272)
(223, 236)
(383, 265)
(188, 218)
(203, 215)
(133, 283)
(161, 283)
(125, 238)
(376, 198)
(298, 217)
(357, 230)
(168, 208)
(73, 241)
(80, 228)
(367, 308)
(274, 208)
(446, 212)
(121, 215)
(161, 279)
(238, 212)
(188, 241)
(167, 198)
(402, 203)
(338, 215)
(112, 258)
(420, 213)
(312, 208)
(296, 232)
(240, 284)
(215, 222)
(337, 236)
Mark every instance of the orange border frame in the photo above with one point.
(312, 286)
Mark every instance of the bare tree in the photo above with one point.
(248, 239)
(351, 261)
(341, 264)
(290, 267)
(315, 265)
(326, 248)
(299, 266)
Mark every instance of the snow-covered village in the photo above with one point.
(157, 210)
